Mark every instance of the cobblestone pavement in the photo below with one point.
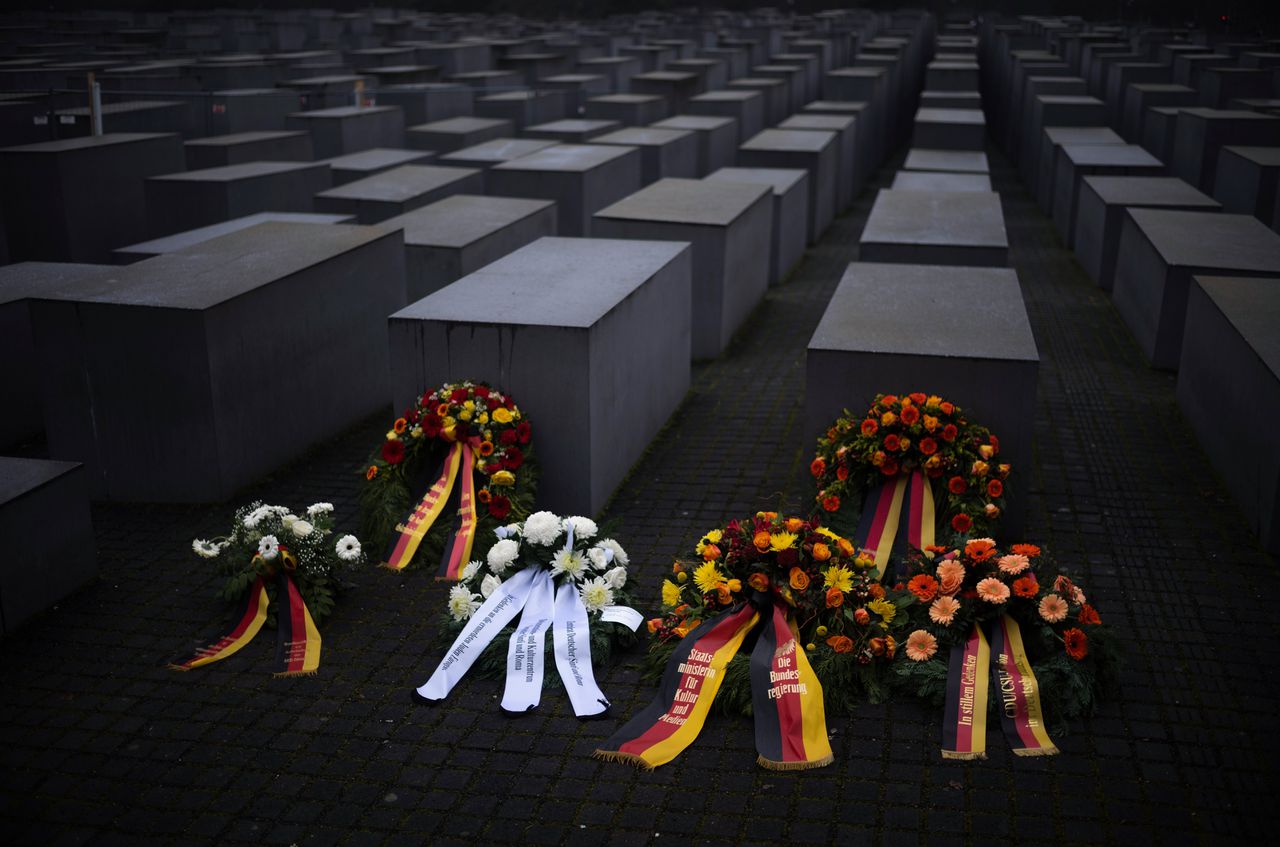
(100, 744)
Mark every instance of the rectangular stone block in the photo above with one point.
(627, 109)
(577, 89)
(950, 129)
(571, 130)
(249, 110)
(664, 153)
(1101, 207)
(190, 199)
(1229, 391)
(137, 116)
(1201, 133)
(350, 129)
(815, 151)
(717, 139)
(792, 75)
(399, 190)
(48, 536)
(75, 200)
(461, 234)
(178, 241)
(713, 74)
(934, 182)
(1246, 181)
(1078, 160)
(790, 190)
(1140, 97)
(1158, 125)
(729, 225)
(617, 69)
(325, 91)
(1160, 250)
(851, 165)
(952, 76)
(523, 108)
(868, 343)
(674, 87)
(453, 134)
(745, 107)
(580, 178)
(489, 153)
(951, 100)
(1051, 142)
(775, 92)
(1054, 111)
(957, 228)
(609, 318)
(354, 166)
(949, 161)
(428, 102)
(154, 373)
(241, 147)
(489, 82)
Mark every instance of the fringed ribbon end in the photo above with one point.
(625, 758)
(391, 567)
(794, 766)
(1036, 751)
(294, 673)
(962, 757)
(174, 667)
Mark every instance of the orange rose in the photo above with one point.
(840, 643)
(947, 408)
(918, 397)
(831, 503)
(483, 495)
(761, 540)
(876, 590)
(799, 579)
(889, 400)
(652, 625)
(372, 472)
(769, 516)
(758, 581)
(723, 597)
(821, 552)
(676, 567)
(877, 646)
(861, 616)
(846, 547)
(794, 524)
(979, 469)
(818, 467)
(930, 423)
(986, 451)
(710, 552)
(835, 598)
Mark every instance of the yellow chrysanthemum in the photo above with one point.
(782, 540)
(884, 609)
(713, 537)
(838, 576)
(670, 594)
(822, 530)
(708, 577)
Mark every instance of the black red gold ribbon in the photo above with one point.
(901, 503)
(964, 723)
(246, 627)
(791, 730)
(459, 462)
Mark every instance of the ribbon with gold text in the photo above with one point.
(246, 627)
(409, 534)
(786, 699)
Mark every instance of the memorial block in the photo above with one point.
(399, 190)
(815, 151)
(663, 152)
(241, 147)
(1078, 160)
(790, 188)
(1246, 181)
(580, 178)
(745, 107)
(717, 139)
(350, 129)
(456, 133)
(957, 228)
(189, 199)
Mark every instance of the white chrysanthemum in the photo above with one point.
(348, 548)
(268, 547)
(502, 554)
(255, 517)
(569, 562)
(617, 578)
(489, 584)
(462, 603)
(319, 509)
(600, 557)
(596, 594)
(542, 528)
(583, 528)
(302, 528)
(470, 570)
(205, 549)
(619, 555)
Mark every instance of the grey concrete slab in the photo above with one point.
(189, 199)
(571, 130)
(19, 378)
(675, 87)
(131, 116)
(350, 129)
(776, 93)
(729, 225)
(429, 101)
(712, 73)
(248, 110)
(325, 91)
(617, 69)
(577, 89)
(867, 85)
(745, 107)
(1139, 97)
(934, 181)
(489, 81)
(580, 178)
(1200, 133)
(956, 228)
(1229, 390)
(48, 534)
(1051, 141)
(951, 76)
(1052, 110)
(524, 108)
(951, 99)
(811, 69)
(627, 109)
(181, 240)
(453, 134)
(75, 200)
(1246, 181)
(205, 419)
(851, 166)
(1075, 161)
(609, 318)
(792, 75)
(355, 166)
(815, 151)
(240, 147)
(448, 239)
(1158, 131)
(790, 190)
(1121, 75)
(950, 129)
(717, 139)
(1160, 250)
(1100, 211)
(867, 341)
(664, 153)
(951, 161)
(399, 190)
(489, 153)
(456, 57)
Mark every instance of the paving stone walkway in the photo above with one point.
(99, 744)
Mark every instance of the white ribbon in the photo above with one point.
(573, 653)
(526, 650)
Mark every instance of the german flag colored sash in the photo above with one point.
(964, 722)
(458, 552)
(246, 627)
(458, 463)
(901, 505)
(791, 730)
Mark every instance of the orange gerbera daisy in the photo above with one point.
(943, 611)
(921, 646)
(1026, 586)
(372, 472)
(924, 587)
(870, 427)
(818, 467)
(1028, 550)
(1088, 615)
(1076, 642)
(980, 549)
(400, 425)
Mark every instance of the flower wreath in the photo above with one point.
(848, 626)
(446, 431)
(1071, 652)
(565, 548)
(900, 441)
(286, 570)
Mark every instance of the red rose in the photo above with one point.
(961, 523)
(995, 443)
(499, 507)
(482, 391)
(393, 451)
(458, 395)
(515, 458)
(524, 430)
(508, 436)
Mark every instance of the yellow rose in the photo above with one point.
(392, 436)
(502, 415)
(469, 405)
(504, 478)
(482, 418)
(464, 415)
